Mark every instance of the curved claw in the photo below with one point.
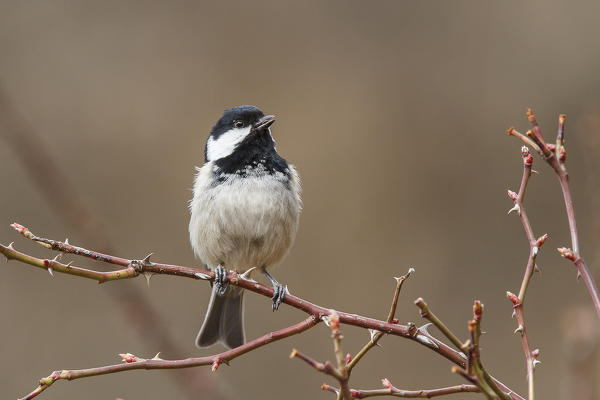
(220, 281)
(279, 292)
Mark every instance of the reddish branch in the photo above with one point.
(346, 363)
(378, 335)
(341, 371)
(555, 155)
(133, 268)
(393, 391)
(473, 371)
(132, 362)
(534, 246)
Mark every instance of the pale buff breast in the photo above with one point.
(244, 222)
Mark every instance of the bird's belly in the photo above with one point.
(244, 223)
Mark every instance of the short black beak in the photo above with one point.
(264, 122)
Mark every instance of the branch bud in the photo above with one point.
(567, 253)
(512, 195)
(477, 310)
(513, 297)
(130, 358)
(527, 157)
(535, 353)
(348, 358)
(412, 329)
(334, 321)
(386, 383)
(530, 116)
(22, 230)
(472, 325)
(562, 154)
(541, 240)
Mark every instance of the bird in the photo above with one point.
(244, 216)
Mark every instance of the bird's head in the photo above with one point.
(239, 125)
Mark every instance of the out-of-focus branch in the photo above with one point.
(133, 362)
(580, 362)
(555, 155)
(64, 198)
(146, 267)
(534, 246)
(41, 167)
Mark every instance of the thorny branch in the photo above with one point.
(555, 155)
(342, 372)
(390, 390)
(467, 358)
(134, 268)
(378, 335)
(534, 246)
(474, 371)
(132, 362)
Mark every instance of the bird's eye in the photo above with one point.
(238, 124)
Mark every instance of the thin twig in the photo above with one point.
(534, 246)
(340, 373)
(132, 362)
(378, 335)
(409, 394)
(420, 336)
(555, 156)
(474, 370)
(430, 316)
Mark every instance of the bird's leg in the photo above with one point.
(279, 290)
(220, 281)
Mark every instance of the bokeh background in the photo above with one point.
(394, 113)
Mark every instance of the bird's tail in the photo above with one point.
(224, 320)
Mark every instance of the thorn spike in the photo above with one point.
(516, 208)
(519, 330)
(146, 260)
(246, 275)
(148, 276)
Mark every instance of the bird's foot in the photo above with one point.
(279, 292)
(220, 281)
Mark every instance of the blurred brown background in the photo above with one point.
(394, 113)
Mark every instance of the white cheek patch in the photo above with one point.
(225, 144)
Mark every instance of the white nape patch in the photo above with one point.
(272, 138)
(225, 144)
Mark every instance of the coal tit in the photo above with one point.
(244, 215)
